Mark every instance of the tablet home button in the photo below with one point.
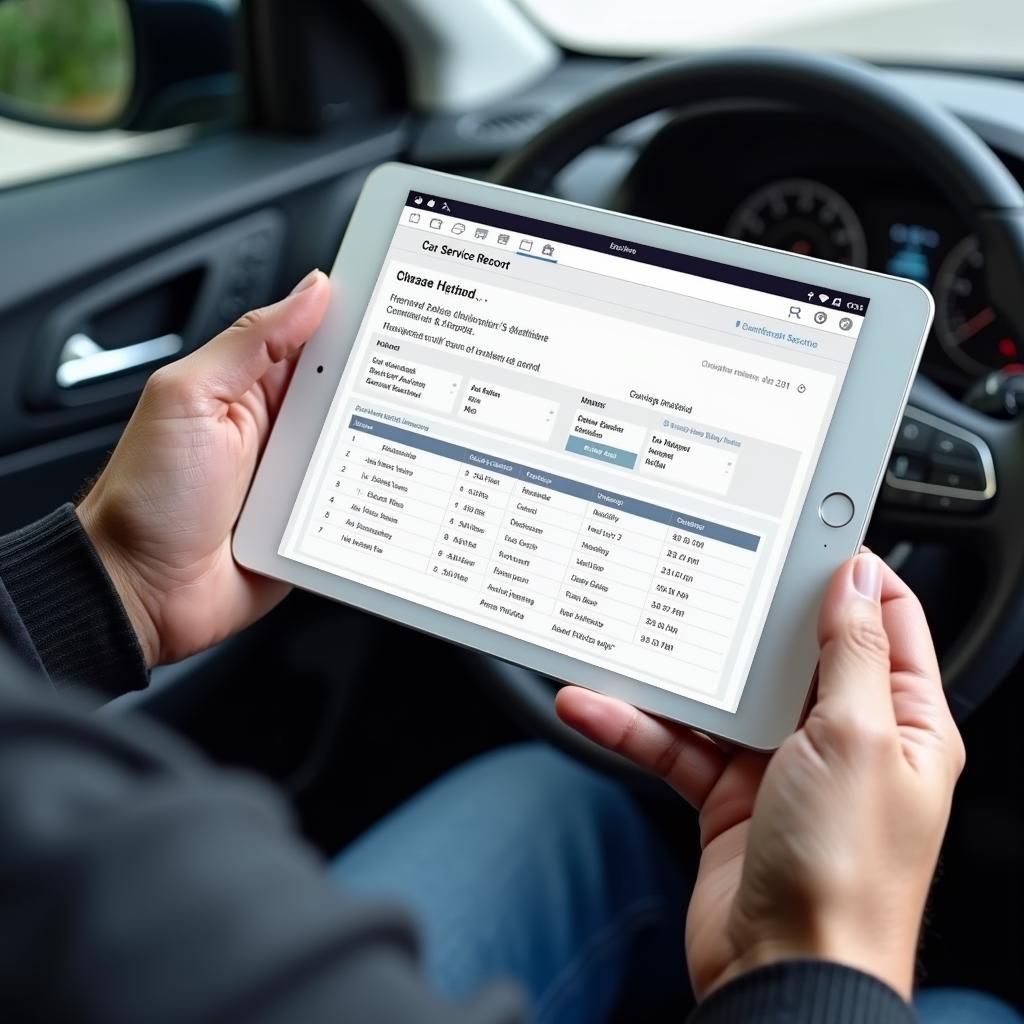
(836, 509)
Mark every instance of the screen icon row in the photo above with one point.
(479, 233)
(821, 317)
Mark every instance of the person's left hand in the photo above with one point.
(162, 512)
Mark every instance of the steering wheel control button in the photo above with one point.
(961, 475)
(938, 466)
(836, 509)
(909, 467)
(947, 503)
(947, 445)
(914, 438)
(903, 498)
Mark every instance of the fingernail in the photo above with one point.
(867, 577)
(306, 282)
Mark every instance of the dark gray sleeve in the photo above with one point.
(804, 992)
(63, 615)
(141, 884)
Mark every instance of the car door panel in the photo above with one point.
(179, 243)
(176, 244)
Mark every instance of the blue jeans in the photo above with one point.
(524, 864)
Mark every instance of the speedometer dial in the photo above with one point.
(802, 216)
(973, 334)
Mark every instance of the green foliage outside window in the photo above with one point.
(69, 59)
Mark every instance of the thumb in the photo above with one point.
(854, 673)
(228, 366)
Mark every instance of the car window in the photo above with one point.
(982, 33)
(68, 82)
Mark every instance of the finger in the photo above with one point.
(686, 760)
(231, 364)
(275, 384)
(854, 670)
(911, 648)
(919, 702)
(732, 800)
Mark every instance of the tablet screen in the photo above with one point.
(588, 443)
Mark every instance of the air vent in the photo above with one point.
(506, 122)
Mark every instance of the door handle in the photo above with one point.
(84, 361)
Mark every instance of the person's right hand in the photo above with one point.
(825, 850)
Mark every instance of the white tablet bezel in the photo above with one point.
(852, 460)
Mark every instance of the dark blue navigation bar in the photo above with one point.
(637, 252)
(561, 484)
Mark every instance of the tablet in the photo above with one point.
(619, 453)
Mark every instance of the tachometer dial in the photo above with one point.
(802, 216)
(973, 334)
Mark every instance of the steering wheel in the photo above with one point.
(969, 176)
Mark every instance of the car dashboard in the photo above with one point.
(790, 181)
(780, 177)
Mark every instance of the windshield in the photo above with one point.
(981, 33)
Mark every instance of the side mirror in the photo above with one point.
(134, 64)
(66, 63)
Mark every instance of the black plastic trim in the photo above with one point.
(57, 230)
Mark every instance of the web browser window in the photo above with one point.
(591, 444)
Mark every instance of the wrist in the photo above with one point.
(125, 578)
(891, 963)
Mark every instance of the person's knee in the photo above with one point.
(557, 811)
(538, 780)
(525, 811)
(963, 1006)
